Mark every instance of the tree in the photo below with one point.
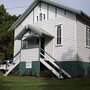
(6, 38)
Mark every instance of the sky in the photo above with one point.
(17, 7)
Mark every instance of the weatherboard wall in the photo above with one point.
(30, 54)
(50, 11)
(83, 53)
(54, 16)
(67, 50)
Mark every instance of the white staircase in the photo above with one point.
(3, 67)
(50, 68)
(11, 66)
(53, 67)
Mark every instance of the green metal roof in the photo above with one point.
(32, 6)
(34, 29)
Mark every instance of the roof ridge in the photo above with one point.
(35, 2)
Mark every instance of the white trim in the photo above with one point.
(76, 35)
(39, 16)
(58, 45)
(88, 46)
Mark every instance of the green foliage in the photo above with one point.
(46, 73)
(2, 56)
(6, 38)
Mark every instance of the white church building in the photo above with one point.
(51, 36)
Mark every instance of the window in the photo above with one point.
(40, 17)
(44, 16)
(24, 44)
(37, 18)
(59, 35)
(88, 36)
(32, 42)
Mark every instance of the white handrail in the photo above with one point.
(57, 66)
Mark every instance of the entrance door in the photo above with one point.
(42, 46)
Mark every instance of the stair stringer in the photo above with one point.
(13, 65)
(50, 68)
(63, 71)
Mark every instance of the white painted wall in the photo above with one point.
(66, 52)
(51, 12)
(82, 51)
(44, 9)
(36, 11)
(30, 54)
(17, 46)
(60, 12)
(60, 53)
(29, 18)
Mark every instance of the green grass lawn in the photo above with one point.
(31, 83)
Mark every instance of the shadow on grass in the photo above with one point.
(69, 84)
(4, 84)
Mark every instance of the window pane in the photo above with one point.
(44, 16)
(37, 18)
(58, 40)
(87, 42)
(89, 35)
(59, 35)
(58, 31)
(86, 33)
(37, 41)
(24, 44)
(40, 16)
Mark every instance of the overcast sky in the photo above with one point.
(83, 5)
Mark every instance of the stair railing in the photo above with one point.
(16, 54)
(13, 62)
(59, 64)
(51, 58)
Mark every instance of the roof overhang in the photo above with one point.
(33, 5)
(34, 29)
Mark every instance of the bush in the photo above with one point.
(1, 72)
(46, 73)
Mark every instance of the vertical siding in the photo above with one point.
(60, 12)
(44, 9)
(36, 12)
(51, 12)
(30, 54)
(82, 51)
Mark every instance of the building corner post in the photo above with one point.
(39, 53)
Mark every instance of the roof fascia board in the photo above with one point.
(62, 6)
(34, 29)
(23, 16)
(32, 6)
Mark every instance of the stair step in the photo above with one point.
(11, 67)
(50, 68)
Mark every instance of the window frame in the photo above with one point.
(61, 35)
(40, 16)
(87, 38)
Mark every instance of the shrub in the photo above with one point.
(46, 73)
